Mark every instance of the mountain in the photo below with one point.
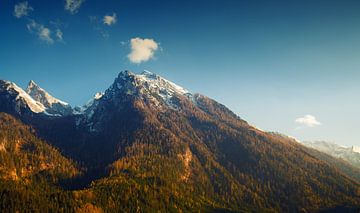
(147, 143)
(349, 154)
(53, 106)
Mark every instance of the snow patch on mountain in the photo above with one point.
(157, 88)
(165, 88)
(98, 95)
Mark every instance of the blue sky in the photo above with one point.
(287, 66)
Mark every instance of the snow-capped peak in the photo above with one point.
(148, 85)
(53, 105)
(39, 94)
(34, 106)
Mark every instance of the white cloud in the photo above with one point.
(41, 31)
(110, 20)
(308, 121)
(73, 6)
(45, 34)
(22, 9)
(142, 49)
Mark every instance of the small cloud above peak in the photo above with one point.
(308, 121)
(73, 6)
(110, 20)
(22, 9)
(142, 50)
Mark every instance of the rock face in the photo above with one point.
(147, 143)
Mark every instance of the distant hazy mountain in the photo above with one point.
(349, 154)
(147, 144)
